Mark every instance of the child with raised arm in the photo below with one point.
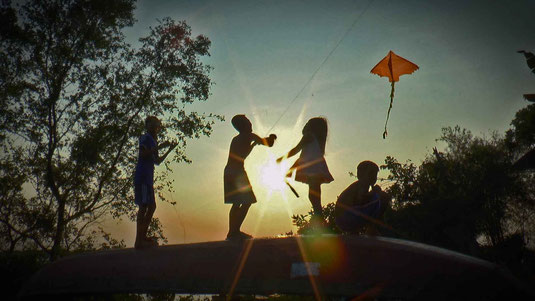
(311, 167)
(144, 179)
(361, 205)
(238, 191)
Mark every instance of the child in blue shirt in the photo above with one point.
(144, 179)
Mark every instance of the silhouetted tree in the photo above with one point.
(461, 198)
(73, 97)
(302, 221)
(519, 139)
(522, 135)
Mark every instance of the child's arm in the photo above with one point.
(147, 152)
(364, 196)
(267, 141)
(377, 189)
(171, 145)
(295, 150)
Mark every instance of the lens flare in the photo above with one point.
(273, 174)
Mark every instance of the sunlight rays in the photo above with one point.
(271, 177)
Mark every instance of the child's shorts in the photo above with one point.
(144, 194)
(357, 217)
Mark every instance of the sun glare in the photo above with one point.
(273, 174)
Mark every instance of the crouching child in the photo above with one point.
(361, 206)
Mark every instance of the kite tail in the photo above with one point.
(385, 133)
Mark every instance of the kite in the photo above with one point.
(393, 66)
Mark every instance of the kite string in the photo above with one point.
(321, 65)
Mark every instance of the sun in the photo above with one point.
(273, 174)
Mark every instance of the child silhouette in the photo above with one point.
(238, 191)
(362, 204)
(311, 167)
(144, 179)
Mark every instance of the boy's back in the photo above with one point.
(355, 194)
(240, 148)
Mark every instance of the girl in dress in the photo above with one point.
(311, 167)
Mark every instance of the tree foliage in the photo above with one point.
(74, 95)
(303, 221)
(464, 198)
(522, 135)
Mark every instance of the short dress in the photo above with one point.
(311, 165)
(237, 186)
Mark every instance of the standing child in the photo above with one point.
(144, 179)
(311, 167)
(238, 191)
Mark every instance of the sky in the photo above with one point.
(264, 53)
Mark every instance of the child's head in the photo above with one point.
(367, 172)
(153, 124)
(241, 124)
(317, 126)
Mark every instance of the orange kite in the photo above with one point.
(393, 66)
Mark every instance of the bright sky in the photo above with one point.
(263, 53)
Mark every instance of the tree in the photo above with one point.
(519, 139)
(74, 95)
(461, 198)
(303, 221)
(522, 136)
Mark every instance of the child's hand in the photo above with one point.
(271, 139)
(169, 144)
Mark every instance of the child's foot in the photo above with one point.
(152, 240)
(238, 236)
(233, 237)
(145, 244)
(245, 235)
(141, 244)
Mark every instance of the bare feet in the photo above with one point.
(152, 240)
(245, 235)
(145, 243)
(238, 236)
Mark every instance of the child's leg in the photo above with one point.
(371, 230)
(244, 208)
(232, 219)
(148, 218)
(140, 222)
(385, 200)
(314, 195)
